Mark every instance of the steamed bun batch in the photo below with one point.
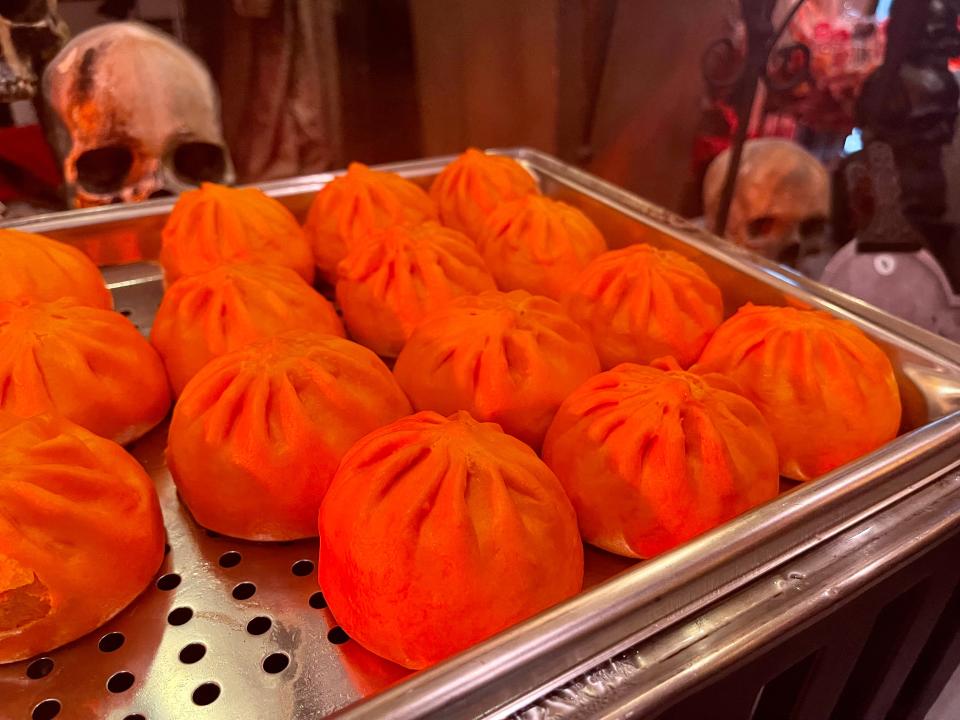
(474, 387)
(76, 379)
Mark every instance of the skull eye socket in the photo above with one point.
(812, 227)
(23, 10)
(197, 162)
(103, 170)
(761, 226)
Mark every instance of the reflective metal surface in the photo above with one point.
(647, 677)
(316, 674)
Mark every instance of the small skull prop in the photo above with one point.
(133, 115)
(31, 32)
(780, 203)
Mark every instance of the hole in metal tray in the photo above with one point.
(244, 591)
(338, 635)
(111, 642)
(120, 682)
(39, 668)
(192, 653)
(206, 693)
(302, 568)
(46, 710)
(180, 616)
(276, 663)
(230, 559)
(168, 582)
(259, 625)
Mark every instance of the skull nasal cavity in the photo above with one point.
(761, 226)
(23, 10)
(103, 170)
(197, 162)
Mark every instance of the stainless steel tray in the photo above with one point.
(239, 630)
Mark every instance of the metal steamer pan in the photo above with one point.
(235, 629)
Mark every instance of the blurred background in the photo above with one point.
(825, 110)
(613, 85)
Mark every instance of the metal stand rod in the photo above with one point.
(761, 39)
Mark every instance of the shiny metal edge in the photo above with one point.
(508, 671)
(108, 214)
(652, 675)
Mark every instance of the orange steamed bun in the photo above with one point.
(88, 364)
(355, 204)
(388, 284)
(474, 185)
(437, 533)
(36, 268)
(654, 456)
(538, 244)
(827, 391)
(217, 225)
(204, 316)
(641, 303)
(509, 358)
(258, 433)
(76, 509)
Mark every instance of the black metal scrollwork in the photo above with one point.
(736, 73)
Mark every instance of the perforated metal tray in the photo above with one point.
(233, 629)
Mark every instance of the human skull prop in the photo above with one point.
(133, 115)
(31, 32)
(781, 200)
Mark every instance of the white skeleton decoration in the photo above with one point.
(781, 201)
(31, 31)
(133, 116)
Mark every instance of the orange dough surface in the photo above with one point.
(538, 244)
(641, 303)
(34, 267)
(438, 533)
(474, 185)
(90, 365)
(392, 280)
(217, 225)
(827, 391)
(206, 316)
(258, 433)
(509, 358)
(653, 457)
(80, 533)
(355, 204)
